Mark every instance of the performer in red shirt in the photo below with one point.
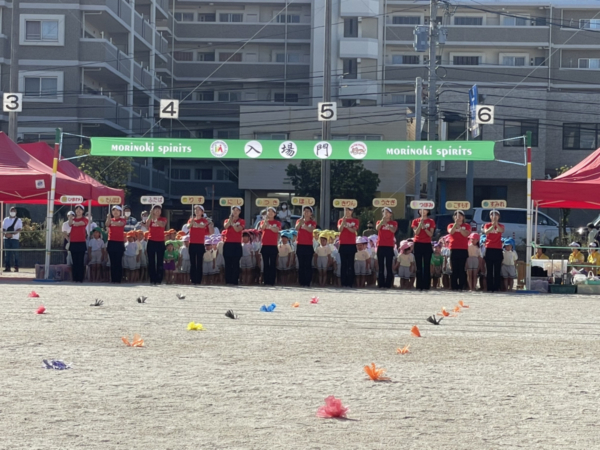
(77, 243)
(199, 227)
(386, 230)
(348, 228)
(115, 247)
(459, 243)
(493, 250)
(424, 228)
(156, 244)
(232, 247)
(270, 235)
(304, 248)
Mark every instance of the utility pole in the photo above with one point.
(418, 118)
(432, 100)
(13, 124)
(325, 206)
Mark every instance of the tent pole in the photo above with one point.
(2, 237)
(57, 150)
(535, 224)
(529, 214)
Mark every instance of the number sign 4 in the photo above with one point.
(169, 109)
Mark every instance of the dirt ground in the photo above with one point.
(511, 371)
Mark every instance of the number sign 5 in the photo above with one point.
(327, 111)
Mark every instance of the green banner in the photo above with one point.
(335, 150)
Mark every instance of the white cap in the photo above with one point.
(494, 211)
(199, 206)
(117, 207)
(459, 211)
(272, 208)
(309, 207)
(388, 209)
(236, 207)
(80, 206)
(70, 213)
(574, 244)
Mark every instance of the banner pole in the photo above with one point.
(529, 214)
(57, 149)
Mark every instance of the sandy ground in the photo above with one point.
(512, 371)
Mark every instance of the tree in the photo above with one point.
(564, 212)
(110, 171)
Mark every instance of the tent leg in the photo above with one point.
(1, 237)
(535, 225)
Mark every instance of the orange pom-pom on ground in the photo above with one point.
(376, 374)
(137, 341)
(404, 350)
(462, 304)
(296, 305)
(41, 310)
(415, 331)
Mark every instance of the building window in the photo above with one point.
(231, 17)
(227, 96)
(457, 129)
(406, 20)
(589, 24)
(234, 58)
(289, 98)
(589, 63)
(271, 136)
(350, 68)
(180, 174)
(183, 56)
(539, 61)
(403, 99)
(49, 138)
(290, 18)
(204, 174)
(291, 57)
(184, 16)
(515, 21)
(223, 175)
(205, 96)
(516, 61)
(357, 137)
(580, 136)
(228, 134)
(351, 27)
(41, 29)
(210, 56)
(467, 20)
(517, 128)
(43, 87)
(466, 60)
(207, 17)
(406, 59)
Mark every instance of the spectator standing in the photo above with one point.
(11, 226)
(369, 231)
(131, 221)
(143, 224)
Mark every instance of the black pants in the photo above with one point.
(493, 262)
(77, 250)
(385, 257)
(423, 253)
(196, 260)
(269, 254)
(65, 242)
(232, 253)
(115, 252)
(347, 252)
(305, 255)
(156, 258)
(458, 279)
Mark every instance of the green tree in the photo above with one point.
(110, 171)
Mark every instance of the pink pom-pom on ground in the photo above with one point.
(333, 408)
(41, 310)
(314, 300)
(33, 294)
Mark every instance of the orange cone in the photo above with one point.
(415, 331)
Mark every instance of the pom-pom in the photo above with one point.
(296, 305)
(33, 294)
(195, 326)
(376, 374)
(269, 308)
(41, 310)
(314, 300)
(333, 408)
(462, 304)
(137, 341)
(415, 331)
(56, 364)
(404, 350)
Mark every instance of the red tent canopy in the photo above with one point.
(44, 153)
(24, 179)
(577, 188)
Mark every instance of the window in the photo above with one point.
(39, 137)
(231, 17)
(438, 20)
(228, 134)
(457, 129)
(205, 96)
(234, 58)
(223, 175)
(204, 134)
(226, 96)
(289, 98)
(351, 27)
(183, 56)
(184, 16)
(466, 60)
(406, 59)
(271, 136)
(539, 61)
(589, 63)
(506, 215)
(180, 174)
(467, 20)
(204, 174)
(291, 18)
(540, 22)
(580, 136)
(44, 87)
(514, 60)
(403, 99)
(516, 128)
(515, 21)
(206, 56)
(350, 68)
(357, 137)
(207, 17)
(182, 134)
(41, 29)
(406, 20)
(291, 57)
(589, 24)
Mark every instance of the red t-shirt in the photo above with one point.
(78, 231)
(157, 229)
(116, 230)
(385, 237)
(305, 237)
(493, 240)
(422, 237)
(197, 232)
(270, 237)
(457, 240)
(347, 236)
(232, 235)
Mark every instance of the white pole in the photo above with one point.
(529, 214)
(535, 225)
(57, 149)
(2, 237)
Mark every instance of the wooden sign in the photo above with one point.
(231, 201)
(422, 204)
(494, 204)
(383, 202)
(303, 201)
(344, 203)
(192, 200)
(454, 205)
(71, 199)
(109, 200)
(152, 200)
(266, 202)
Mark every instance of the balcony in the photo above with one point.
(112, 117)
(119, 10)
(142, 28)
(362, 89)
(359, 48)
(495, 74)
(242, 71)
(140, 178)
(472, 36)
(359, 8)
(241, 31)
(105, 55)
